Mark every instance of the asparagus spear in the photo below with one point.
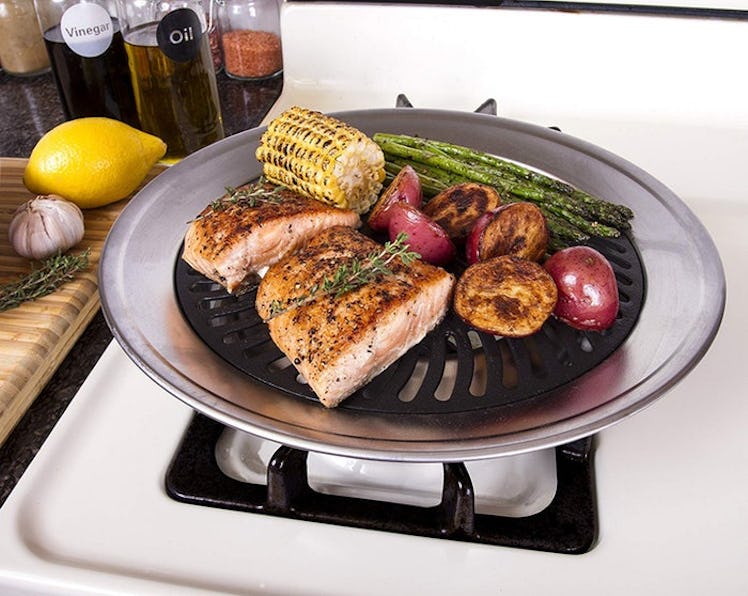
(469, 155)
(558, 207)
(454, 163)
(436, 159)
(472, 156)
(438, 178)
(443, 164)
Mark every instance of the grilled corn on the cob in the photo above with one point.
(323, 158)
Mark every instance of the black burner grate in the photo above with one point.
(568, 525)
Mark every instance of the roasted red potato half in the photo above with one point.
(587, 288)
(425, 237)
(405, 187)
(505, 296)
(516, 229)
(457, 208)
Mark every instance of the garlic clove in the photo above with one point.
(44, 226)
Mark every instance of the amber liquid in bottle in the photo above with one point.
(176, 101)
(98, 86)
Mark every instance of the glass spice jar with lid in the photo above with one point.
(22, 50)
(250, 38)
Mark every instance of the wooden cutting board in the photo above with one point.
(36, 336)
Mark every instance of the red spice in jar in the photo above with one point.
(215, 48)
(251, 54)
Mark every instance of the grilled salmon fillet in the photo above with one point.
(252, 227)
(339, 343)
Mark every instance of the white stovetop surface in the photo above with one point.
(661, 92)
(91, 516)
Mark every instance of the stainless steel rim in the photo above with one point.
(681, 316)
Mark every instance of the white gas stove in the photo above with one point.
(91, 514)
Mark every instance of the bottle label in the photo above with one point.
(179, 34)
(87, 29)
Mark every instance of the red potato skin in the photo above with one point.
(587, 289)
(472, 244)
(405, 187)
(425, 236)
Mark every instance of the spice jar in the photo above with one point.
(214, 35)
(250, 38)
(22, 49)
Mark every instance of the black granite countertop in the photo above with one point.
(29, 107)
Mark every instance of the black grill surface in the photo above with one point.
(440, 374)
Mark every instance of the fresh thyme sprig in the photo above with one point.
(248, 196)
(51, 274)
(357, 273)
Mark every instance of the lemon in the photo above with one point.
(92, 161)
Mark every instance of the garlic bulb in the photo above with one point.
(44, 226)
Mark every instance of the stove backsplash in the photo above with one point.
(664, 92)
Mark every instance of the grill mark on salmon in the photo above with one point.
(340, 343)
(232, 244)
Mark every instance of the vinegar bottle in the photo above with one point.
(87, 54)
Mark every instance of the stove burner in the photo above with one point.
(568, 525)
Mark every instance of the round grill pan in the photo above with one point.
(591, 382)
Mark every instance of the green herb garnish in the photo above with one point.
(352, 275)
(45, 279)
(249, 196)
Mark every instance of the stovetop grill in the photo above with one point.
(448, 371)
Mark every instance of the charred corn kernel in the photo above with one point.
(323, 158)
